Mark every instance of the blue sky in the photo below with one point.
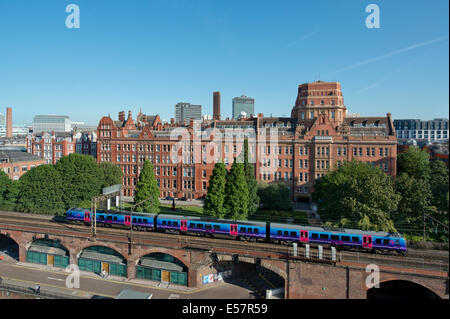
(152, 54)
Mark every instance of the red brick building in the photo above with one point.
(297, 150)
(51, 146)
(17, 163)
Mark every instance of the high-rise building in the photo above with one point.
(51, 123)
(2, 119)
(186, 112)
(216, 107)
(243, 104)
(8, 122)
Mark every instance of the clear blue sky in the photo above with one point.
(151, 54)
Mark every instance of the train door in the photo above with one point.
(127, 220)
(367, 241)
(183, 226)
(304, 236)
(233, 230)
(87, 217)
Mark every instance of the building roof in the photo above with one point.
(18, 156)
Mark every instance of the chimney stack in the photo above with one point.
(122, 116)
(216, 106)
(8, 122)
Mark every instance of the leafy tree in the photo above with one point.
(41, 191)
(216, 192)
(147, 188)
(9, 191)
(275, 196)
(110, 174)
(357, 195)
(415, 163)
(439, 184)
(236, 193)
(415, 199)
(249, 168)
(81, 178)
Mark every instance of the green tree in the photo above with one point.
(415, 163)
(415, 199)
(9, 192)
(236, 193)
(41, 191)
(249, 168)
(275, 196)
(357, 195)
(215, 198)
(147, 188)
(81, 178)
(110, 174)
(439, 184)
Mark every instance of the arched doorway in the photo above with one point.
(102, 259)
(8, 247)
(401, 289)
(163, 268)
(50, 252)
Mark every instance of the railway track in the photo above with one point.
(424, 259)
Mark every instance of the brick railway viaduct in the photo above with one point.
(302, 278)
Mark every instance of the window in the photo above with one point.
(175, 224)
(200, 226)
(115, 218)
(345, 238)
(324, 236)
(243, 230)
(385, 241)
(279, 232)
(314, 235)
(378, 241)
(285, 233)
(208, 227)
(145, 221)
(216, 227)
(164, 222)
(334, 237)
(355, 239)
(255, 230)
(109, 217)
(293, 234)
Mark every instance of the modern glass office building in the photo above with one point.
(187, 111)
(243, 104)
(51, 123)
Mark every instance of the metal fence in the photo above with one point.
(32, 292)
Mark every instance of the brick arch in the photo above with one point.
(80, 248)
(182, 256)
(414, 282)
(11, 236)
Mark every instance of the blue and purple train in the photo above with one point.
(244, 230)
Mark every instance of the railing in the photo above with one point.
(32, 292)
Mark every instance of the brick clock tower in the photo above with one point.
(318, 98)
